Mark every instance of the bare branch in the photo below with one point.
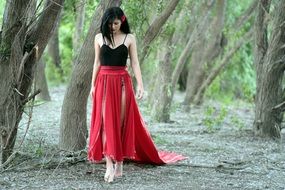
(31, 97)
(245, 16)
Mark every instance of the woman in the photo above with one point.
(117, 129)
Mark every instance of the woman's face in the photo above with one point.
(115, 26)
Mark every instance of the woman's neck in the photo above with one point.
(117, 33)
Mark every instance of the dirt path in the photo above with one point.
(222, 151)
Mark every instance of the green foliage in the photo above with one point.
(39, 151)
(66, 30)
(158, 140)
(214, 118)
(138, 16)
(234, 9)
(53, 74)
(237, 122)
(208, 121)
(238, 80)
(2, 7)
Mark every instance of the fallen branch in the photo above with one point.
(53, 163)
(8, 161)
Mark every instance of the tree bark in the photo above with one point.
(41, 81)
(79, 23)
(73, 127)
(161, 106)
(22, 45)
(270, 61)
(53, 50)
(155, 27)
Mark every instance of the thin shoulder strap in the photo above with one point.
(125, 39)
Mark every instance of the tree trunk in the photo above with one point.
(182, 81)
(41, 81)
(198, 99)
(216, 71)
(73, 127)
(155, 27)
(270, 61)
(201, 25)
(53, 50)
(196, 70)
(77, 35)
(161, 106)
(204, 54)
(22, 45)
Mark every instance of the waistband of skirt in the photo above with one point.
(113, 70)
(113, 67)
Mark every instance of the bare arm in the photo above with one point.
(135, 65)
(96, 62)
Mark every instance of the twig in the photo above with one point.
(8, 161)
(279, 106)
(31, 97)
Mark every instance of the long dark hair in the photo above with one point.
(109, 16)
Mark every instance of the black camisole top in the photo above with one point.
(114, 56)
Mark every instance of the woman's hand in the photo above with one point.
(140, 92)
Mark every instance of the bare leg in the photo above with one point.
(118, 169)
(119, 165)
(109, 175)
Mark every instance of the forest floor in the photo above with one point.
(218, 139)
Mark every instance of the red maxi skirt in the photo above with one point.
(109, 136)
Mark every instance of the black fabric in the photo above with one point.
(114, 57)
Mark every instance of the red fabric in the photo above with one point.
(132, 141)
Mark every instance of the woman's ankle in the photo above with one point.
(118, 169)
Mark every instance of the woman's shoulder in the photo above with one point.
(99, 39)
(131, 38)
(98, 36)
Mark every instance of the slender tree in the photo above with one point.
(161, 106)
(79, 24)
(218, 69)
(41, 81)
(225, 58)
(73, 126)
(167, 80)
(53, 49)
(155, 27)
(23, 40)
(206, 49)
(200, 26)
(270, 65)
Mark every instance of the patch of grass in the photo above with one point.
(39, 151)
(35, 147)
(158, 139)
(237, 122)
(214, 118)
